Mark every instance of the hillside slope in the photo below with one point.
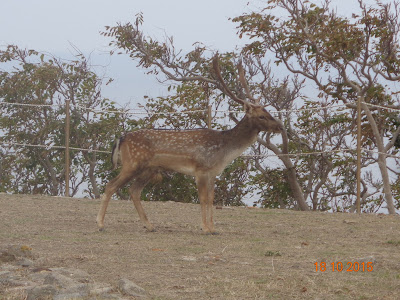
(259, 253)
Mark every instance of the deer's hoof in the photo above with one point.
(150, 229)
(210, 232)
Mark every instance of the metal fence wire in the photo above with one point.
(208, 111)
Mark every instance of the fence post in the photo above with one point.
(358, 200)
(67, 163)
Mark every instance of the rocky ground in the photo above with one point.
(51, 247)
(22, 276)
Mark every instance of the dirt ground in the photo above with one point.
(259, 253)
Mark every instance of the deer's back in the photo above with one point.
(186, 151)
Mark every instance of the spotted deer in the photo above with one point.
(202, 153)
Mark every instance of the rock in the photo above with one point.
(189, 258)
(82, 289)
(39, 277)
(8, 267)
(58, 280)
(6, 256)
(25, 262)
(74, 274)
(129, 288)
(99, 289)
(68, 296)
(20, 251)
(41, 292)
(12, 253)
(21, 274)
(5, 275)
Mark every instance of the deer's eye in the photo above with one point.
(262, 117)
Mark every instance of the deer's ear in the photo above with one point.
(248, 108)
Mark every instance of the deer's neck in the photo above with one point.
(243, 134)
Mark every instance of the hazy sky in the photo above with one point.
(53, 25)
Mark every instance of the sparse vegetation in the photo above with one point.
(346, 59)
(393, 242)
(260, 253)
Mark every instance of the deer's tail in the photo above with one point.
(115, 154)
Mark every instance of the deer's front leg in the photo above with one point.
(111, 188)
(210, 205)
(204, 182)
(102, 212)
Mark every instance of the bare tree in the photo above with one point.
(164, 59)
(348, 59)
(33, 94)
(202, 153)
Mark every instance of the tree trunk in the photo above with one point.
(295, 186)
(54, 185)
(387, 190)
(92, 178)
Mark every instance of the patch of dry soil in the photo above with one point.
(259, 254)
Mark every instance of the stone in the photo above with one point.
(75, 274)
(58, 280)
(20, 251)
(68, 296)
(42, 292)
(5, 274)
(38, 277)
(129, 288)
(189, 258)
(99, 289)
(22, 276)
(82, 289)
(25, 262)
(6, 257)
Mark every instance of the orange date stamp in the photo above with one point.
(344, 266)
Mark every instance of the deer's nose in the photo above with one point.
(280, 125)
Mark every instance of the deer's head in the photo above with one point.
(261, 119)
(255, 113)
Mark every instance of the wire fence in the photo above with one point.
(140, 112)
(358, 152)
(341, 150)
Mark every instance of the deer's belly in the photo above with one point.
(178, 163)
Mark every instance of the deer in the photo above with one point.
(202, 153)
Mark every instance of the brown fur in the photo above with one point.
(202, 153)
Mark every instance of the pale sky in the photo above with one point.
(53, 25)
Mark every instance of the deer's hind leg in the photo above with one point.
(135, 190)
(112, 186)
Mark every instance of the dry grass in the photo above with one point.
(260, 254)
